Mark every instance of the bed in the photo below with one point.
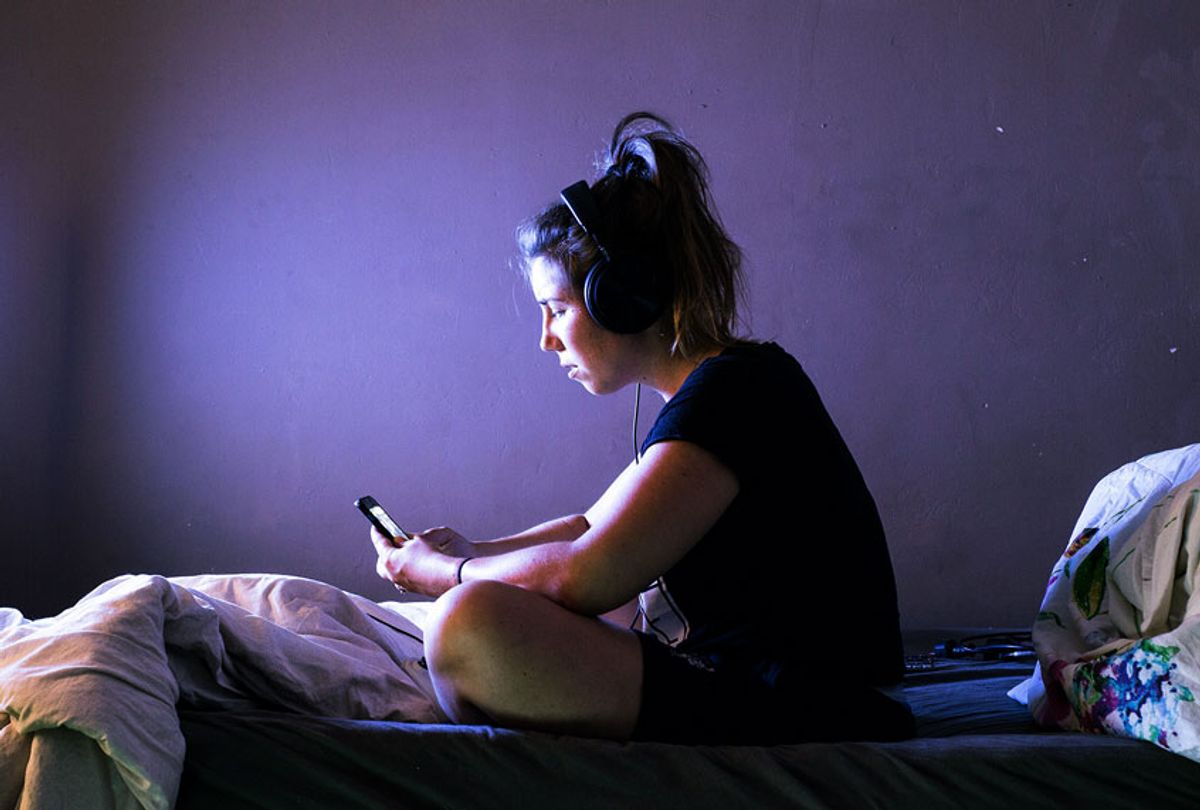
(976, 748)
(260, 736)
(263, 691)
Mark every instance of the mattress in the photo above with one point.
(975, 748)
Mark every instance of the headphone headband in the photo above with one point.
(582, 205)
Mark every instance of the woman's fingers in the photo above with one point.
(447, 541)
(384, 549)
(382, 543)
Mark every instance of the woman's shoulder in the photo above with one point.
(764, 351)
(751, 363)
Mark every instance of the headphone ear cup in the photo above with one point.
(623, 296)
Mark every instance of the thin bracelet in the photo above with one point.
(458, 576)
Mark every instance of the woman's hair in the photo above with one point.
(654, 203)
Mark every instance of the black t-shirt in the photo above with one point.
(794, 580)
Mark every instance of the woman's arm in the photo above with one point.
(647, 519)
(429, 563)
(557, 530)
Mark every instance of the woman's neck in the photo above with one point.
(669, 373)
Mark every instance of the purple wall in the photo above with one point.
(255, 263)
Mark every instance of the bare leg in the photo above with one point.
(504, 655)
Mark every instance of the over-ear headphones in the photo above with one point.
(620, 291)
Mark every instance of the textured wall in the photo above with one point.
(255, 263)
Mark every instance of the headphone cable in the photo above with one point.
(637, 406)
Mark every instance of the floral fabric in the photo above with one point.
(1118, 633)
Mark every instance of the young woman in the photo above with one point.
(744, 533)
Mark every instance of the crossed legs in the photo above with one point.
(500, 654)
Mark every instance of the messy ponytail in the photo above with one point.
(655, 203)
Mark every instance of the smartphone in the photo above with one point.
(380, 519)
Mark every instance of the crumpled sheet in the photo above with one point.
(1118, 633)
(88, 698)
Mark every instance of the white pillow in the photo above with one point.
(1117, 506)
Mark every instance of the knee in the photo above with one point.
(466, 622)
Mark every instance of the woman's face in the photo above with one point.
(599, 360)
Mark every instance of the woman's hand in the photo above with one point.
(427, 564)
(448, 542)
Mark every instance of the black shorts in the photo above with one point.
(684, 700)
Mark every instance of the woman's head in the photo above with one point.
(654, 205)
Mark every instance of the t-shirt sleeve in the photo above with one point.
(714, 409)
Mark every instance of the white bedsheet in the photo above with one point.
(88, 698)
